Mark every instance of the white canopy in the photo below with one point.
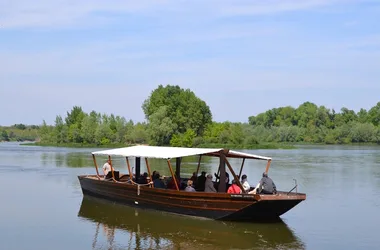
(173, 152)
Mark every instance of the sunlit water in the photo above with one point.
(42, 206)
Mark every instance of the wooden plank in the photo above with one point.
(96, 166)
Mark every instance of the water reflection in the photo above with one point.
(131, 228)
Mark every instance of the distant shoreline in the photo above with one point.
(231, 146)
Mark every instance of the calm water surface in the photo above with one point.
(42, 206)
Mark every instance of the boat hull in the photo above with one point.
(219, 206)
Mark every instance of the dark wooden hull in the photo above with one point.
(220, 206)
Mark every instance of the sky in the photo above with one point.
(242, 57)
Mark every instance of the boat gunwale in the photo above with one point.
(244, 197)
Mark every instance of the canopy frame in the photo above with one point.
(175, 152)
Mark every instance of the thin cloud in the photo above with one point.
(71, 13)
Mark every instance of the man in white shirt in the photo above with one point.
(245, 183)
(107, 167)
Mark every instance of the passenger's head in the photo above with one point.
(233, 181)
(209, 176)
(265, 174)
(244, 177)
(203, 173)
(189, 183)
(194, 173)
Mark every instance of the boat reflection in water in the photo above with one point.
(132, 228)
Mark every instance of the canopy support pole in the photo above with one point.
(268, 165)
(148, 167)
(222, 177)
(241, 168)
(178, 167)
(173, 176)
(113, 174)
(199, 164)
(129, 169)
(96, 166)
(138, 168)
(233, 173)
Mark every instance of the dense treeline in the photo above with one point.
(93, 128)
(310, 123)
(177, 117)
(19, 132)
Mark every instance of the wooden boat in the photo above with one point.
(124, 188)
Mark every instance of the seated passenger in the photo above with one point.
(234, 188)
(144, 178)
(265, 186)
(194, 177)
(245, 183)
(201, 180)
(154, 175)
(209, 185)
(189, 187)
(171, 183)
(158, 183)
(107, 168)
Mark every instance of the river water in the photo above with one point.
(42, 206)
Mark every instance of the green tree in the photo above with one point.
(45, 132)
(363, 132)
(88, 128)
(4, 136)
(161, 127)
(183, 108)
(103, 134)
(348, 115)
(305, 114)
(363, 116)
(75, 117)
(374, 114)
(60, 130)
(139, 133)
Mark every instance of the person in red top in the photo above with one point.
(171, 184)
(234, 188)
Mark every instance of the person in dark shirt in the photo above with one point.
(194, 177)
(158, 183)
(266, 185)
(201, 180)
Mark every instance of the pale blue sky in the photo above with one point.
(242, 57)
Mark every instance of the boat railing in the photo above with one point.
(295, 187)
